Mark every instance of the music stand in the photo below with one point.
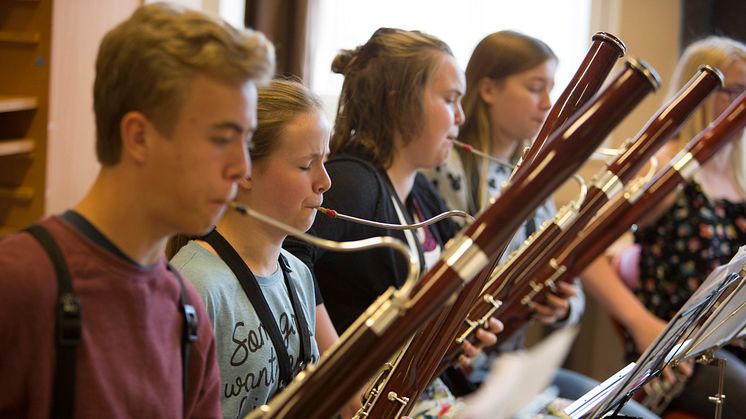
(611, 395)
(727, 321)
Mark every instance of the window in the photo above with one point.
(345, 24)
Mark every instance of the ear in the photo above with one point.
(135, 130)
(487, 89)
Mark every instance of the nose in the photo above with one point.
(240, 164)
(546, 101)
(323, 181)
(459, 115)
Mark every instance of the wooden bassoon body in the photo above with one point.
(624, 210)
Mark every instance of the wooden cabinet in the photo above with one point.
(25, 32)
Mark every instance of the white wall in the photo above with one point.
(77, 29)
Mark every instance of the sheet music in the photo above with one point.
(724, 324)
(733, 266)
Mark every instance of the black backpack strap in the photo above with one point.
(248, 282)
(189, 334)
(68, 328)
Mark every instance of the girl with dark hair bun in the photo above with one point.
(399, 110)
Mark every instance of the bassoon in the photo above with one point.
(605, 49)
(523, 264)
(380, 331)
(619, 214)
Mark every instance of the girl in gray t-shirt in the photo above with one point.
(286, 183)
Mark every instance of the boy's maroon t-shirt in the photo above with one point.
(129, 361)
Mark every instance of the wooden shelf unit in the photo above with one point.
(21, 193)
(16, 37)
(16, 146)
(25, 40)
(17, 103)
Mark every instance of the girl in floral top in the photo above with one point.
(694, 230)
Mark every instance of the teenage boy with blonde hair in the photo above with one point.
(101, 326)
